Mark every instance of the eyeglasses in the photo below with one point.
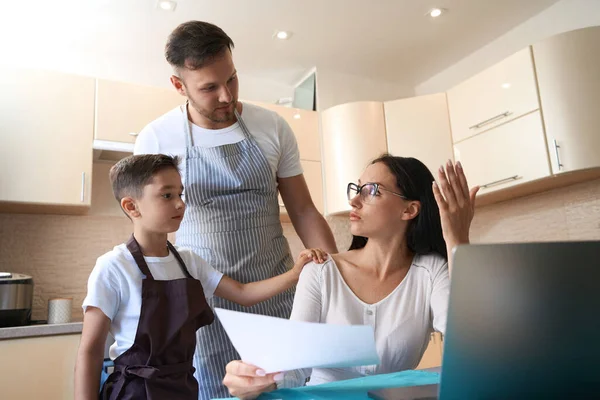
(368, 191)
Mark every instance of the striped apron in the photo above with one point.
(232, 221)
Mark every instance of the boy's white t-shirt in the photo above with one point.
(115, 287)
(275, 138)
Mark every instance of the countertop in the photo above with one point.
(19, 332)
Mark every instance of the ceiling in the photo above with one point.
(390, 40)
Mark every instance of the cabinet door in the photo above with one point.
(419, 127)
(568, 68)
(353, 135)
(304, 124)
(46, 122)
(124, 109)
(433, 354)
(38, 368)
(508, 155)
(499, 94)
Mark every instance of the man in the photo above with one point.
(236, 159)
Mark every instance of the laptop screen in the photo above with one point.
(523, 322)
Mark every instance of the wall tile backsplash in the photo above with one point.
(59, 251)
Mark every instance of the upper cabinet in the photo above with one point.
(505, 156)
(419, 127)
(304, 124)
(568, 68)
(46, 133)
(124, 109)
(353, 135)
(499, 94)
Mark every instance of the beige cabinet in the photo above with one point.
(568, 68)
(304, 124)
(508, 155)
(419, 127)
(433, 354)
(124, 109)
(499, 94)
(46, 134)
(353, 135)
(38, 368)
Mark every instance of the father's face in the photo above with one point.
(212, 90)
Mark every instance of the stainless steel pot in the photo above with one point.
(16, 298)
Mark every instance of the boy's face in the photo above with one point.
(161, 207)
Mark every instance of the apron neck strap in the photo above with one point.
(187, 125)
(179, 260)
(243, 126)
(134, 248)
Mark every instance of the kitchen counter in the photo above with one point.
(27, 331)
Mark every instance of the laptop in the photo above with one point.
(523, 323)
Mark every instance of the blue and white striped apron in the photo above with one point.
(232, 221)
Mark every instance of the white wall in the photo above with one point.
(335, 88)
(566, 15)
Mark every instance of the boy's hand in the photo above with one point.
(308, 255)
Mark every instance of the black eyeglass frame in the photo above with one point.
(353, 187)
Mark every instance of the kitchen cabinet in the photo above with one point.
(433, 354)
(419, 127)
(38, 368)
(304, 124)
(499, 94)
(353, 134)
(124, 109)
(507, 155)
(568, 68)
(46, 131)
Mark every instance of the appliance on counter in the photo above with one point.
(16, 298)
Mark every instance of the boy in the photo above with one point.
(152, 296)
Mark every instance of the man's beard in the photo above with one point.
(217, 116)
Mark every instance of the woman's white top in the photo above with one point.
(402, 321)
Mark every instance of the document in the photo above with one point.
(277, 345)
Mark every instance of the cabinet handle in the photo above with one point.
(501, 181)
(490, 120)
(556, 147)
(82, 187)
(133, 133)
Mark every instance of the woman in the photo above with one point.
(394, 277)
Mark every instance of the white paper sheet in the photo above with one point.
(277, 345)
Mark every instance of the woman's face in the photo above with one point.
(382, 214)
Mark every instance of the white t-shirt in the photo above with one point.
(166, 135)
(402, 321)
(115, 287)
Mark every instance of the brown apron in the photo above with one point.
(159, 364)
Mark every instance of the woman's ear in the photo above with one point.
(130, 207)
(412, 210)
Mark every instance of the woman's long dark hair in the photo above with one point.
(424, 233)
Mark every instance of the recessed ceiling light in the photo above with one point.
(505, 85)
(167, 5)
(283, 35)
(436, 12)
(297, 115)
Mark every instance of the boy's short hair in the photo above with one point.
(129, 176)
